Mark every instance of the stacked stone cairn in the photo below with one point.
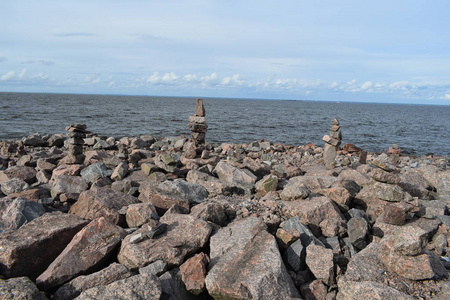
(332, 142)
(197, 124)
(76, 134)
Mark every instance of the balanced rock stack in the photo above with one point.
(76, 134)
(332, 142)
(197, 124)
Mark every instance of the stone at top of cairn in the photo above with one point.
(199, 108)
(77, 128)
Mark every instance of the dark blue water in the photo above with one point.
(417, 129)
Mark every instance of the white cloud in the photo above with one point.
(8, 76)
(167, 78)
(447, 97)
(190, 77)
(366, 85)
(23, 73)
(333, 85)
(233, 80)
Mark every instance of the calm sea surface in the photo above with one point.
(417, 129)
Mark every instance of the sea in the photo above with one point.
(374, 127)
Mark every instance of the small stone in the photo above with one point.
(193, 273)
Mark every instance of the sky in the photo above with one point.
(394, 51)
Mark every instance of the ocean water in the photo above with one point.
(417, 129)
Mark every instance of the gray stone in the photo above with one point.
(294, 191)
(212, 184)
(95, 171)
(20, 288)
(17, 212)
(230, 174)
(315, 183)
(65, 184)
(13, 186)
(194, 193)
(34, 140)
(216, 211)
(294, 256)
(137, 287)
(156, 268)
(431, 209)
(173, 287)
(358, 232)
(103, 277)
(366, 265)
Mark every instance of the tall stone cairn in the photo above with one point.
(197, 124)
(332, 142)
(76, 134)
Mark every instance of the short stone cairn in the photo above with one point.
(332, 142)
(197, 124)
(76, 134)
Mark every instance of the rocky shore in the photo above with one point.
(90, 217)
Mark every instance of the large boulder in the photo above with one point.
(194, 193)
(89, 248)
(416, 185)
(352, 290)
(212, 184)
(216, 211)
(17, 212)
(103, 277)
(230, 174)
(249, 266)
(354, 175)
(162, 200)
(13, 186)
(443, 184)
(20, 288)
(132, 288)
(95, 171)
(27, 174)
(102, 202)
(184, 235)
(320, 214)
(44, 237)
(65, 184)
(315, 183)
(366, 265)
(294, 190)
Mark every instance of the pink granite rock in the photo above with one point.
(44, 237)
(89, 248)
(102, 202)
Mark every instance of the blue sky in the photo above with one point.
(380, 51)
